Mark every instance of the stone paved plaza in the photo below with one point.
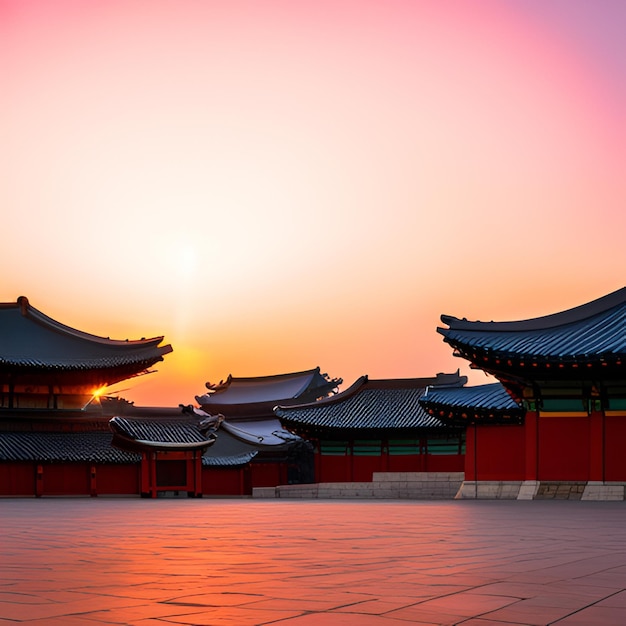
(299, 563)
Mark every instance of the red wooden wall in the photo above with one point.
(347, 468)
(495, 452)
(118, 479)
(564, 448)
(614, 444)
(67, 479)
(549, 448)
(17, 479)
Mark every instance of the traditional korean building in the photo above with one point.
(248, 407)
(196, 454)
(47, 365)
(378, 426)
(254, 398)
(171, 451)
(56, 430)
(63, 454)
(119, 450)
(567, 371)
(491, 405)
(54, 438)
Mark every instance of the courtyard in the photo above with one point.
(246, 562)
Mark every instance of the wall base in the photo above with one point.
(603, 491)
(489, 490)
(384, 485)
(541, 490)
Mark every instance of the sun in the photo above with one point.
(99, 392)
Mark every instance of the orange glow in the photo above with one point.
(98, 392)
(274, 186)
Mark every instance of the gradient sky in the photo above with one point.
(276, 185)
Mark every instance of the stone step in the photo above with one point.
(385, 485)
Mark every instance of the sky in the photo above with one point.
(275, 185)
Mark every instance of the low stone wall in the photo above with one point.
(604, 491)
(541, 490)
(384, 485)
(489, 490)
(447, 486)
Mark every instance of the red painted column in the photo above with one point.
(531, 428)
(596, 446)
(317, 460)
(153, 476)
(198, 480)
(350, 452)
(190, 472)
(93, 487)
(39, 481)
(145, 473)
(470, 453)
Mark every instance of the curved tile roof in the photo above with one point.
(95, 447)
(229, 451)
(369, 405)
(262, 433)
(162, 431)
(489, 402)
(153, 434)
(268, 388)
(234, 460)
(593, 330)
(30, 339)
(43, 447)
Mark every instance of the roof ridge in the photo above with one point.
(28, 310)
(553, 320)
(356, 386)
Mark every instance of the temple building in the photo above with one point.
(254, 398)
(378, 426)
(247, 405)
(561, 430)
(54, 435)
(47, 365)
(60, 436)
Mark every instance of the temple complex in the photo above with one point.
(551, 424)
(562, 427)
(59, 435)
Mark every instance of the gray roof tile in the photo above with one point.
(164, 431)
(29, 339)
(591, 331)
(255, 396)
(488, 403)
(43, 447)
(367, 405)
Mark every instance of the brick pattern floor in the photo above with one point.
(245, 562)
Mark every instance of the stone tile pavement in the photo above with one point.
(244, 562)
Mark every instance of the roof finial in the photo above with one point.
(22, 302)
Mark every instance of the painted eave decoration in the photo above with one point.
(489, 404)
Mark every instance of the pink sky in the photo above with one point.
(279, 185)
